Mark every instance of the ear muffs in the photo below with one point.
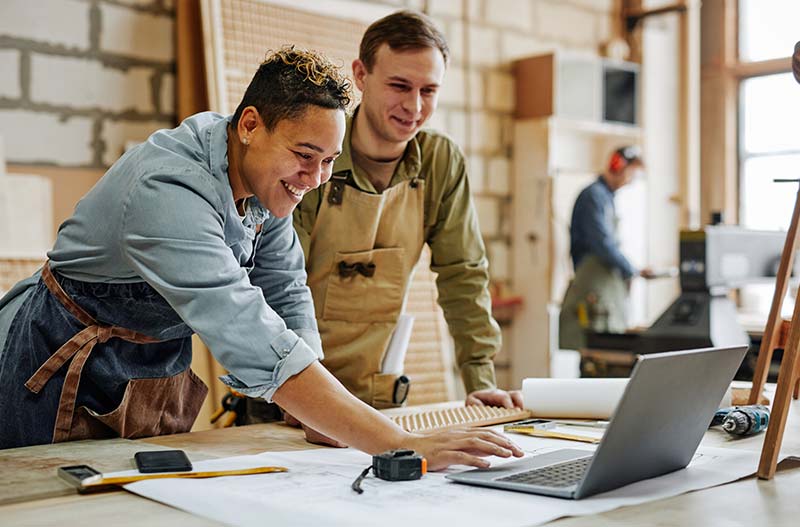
(617, 162)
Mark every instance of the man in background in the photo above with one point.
(596, 298)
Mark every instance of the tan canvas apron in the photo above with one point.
(600, 293)
(150, 406)
(363, 250)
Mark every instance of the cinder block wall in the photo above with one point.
(82, 77)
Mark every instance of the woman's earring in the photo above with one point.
(245, 141)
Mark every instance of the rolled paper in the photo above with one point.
(572, 398)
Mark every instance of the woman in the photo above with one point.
(191, 232)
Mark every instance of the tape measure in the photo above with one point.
(394, 465)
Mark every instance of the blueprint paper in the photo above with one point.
(316, 491)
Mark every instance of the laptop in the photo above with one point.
(656, 429)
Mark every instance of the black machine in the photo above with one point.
(713, 261)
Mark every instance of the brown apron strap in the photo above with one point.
(78, 349)
(62, 296)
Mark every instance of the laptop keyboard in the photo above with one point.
(560, 475)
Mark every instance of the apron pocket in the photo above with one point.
(366, 286)
(153, 407)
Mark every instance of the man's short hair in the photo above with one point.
(402, 31)
(291, 79)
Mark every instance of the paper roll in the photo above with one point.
(572, 398)
(395, 357)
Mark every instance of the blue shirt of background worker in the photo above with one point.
(593, 228)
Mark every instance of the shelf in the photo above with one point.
(611, 130)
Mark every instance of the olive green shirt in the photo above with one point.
(458, 255)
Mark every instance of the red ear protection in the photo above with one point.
(617, 162)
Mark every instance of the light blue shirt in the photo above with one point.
(164, 214)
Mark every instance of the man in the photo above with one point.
(191, 232)
(596, 297)
(395, 188)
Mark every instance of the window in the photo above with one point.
(769, 114)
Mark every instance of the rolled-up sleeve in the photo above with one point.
(173, 237)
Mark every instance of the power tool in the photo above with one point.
(742, 420)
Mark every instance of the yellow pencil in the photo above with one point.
(99, 480)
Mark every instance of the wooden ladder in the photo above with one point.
(788, 375)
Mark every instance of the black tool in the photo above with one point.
(394, 465)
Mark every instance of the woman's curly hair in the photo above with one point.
(291, 79)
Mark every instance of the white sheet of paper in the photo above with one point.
(395, 358)
(316, 491)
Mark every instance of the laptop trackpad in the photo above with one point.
(536, 461)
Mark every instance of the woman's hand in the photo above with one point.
(467, 446)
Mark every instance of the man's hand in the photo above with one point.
(647, 273)
(312, 436)
(495, 397)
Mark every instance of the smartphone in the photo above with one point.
(76, 474)
(162, 461)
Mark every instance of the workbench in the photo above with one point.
(32, 494)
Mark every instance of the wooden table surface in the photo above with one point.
(746, 502)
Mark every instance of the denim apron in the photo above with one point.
(94, 360)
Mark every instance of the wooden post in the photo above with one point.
(772, 330)
(783, 396)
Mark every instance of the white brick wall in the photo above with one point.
(488, 215)
(476, 173)
(84, 83)
(9, 78)
(564, 22)
(514, 46)
(136, 2)
(134, 34)
(499, 175)
(500, 91)
(438, 120)
(510, 13)
(499, 260)
(455, 41)
(32, 137)
(598, 5)
(484, 46)
(115, 135)
(448, 8)
(485, 131)
(59, 22)
(457, 127)
(167, 96)
(476, 95)
(452, 89)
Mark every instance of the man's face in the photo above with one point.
(281, 165)
(401, 91)
(617, 179)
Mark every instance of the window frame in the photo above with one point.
(740, 71)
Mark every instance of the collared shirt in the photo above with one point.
(451, 228)
(164, 214)
(593, 228)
